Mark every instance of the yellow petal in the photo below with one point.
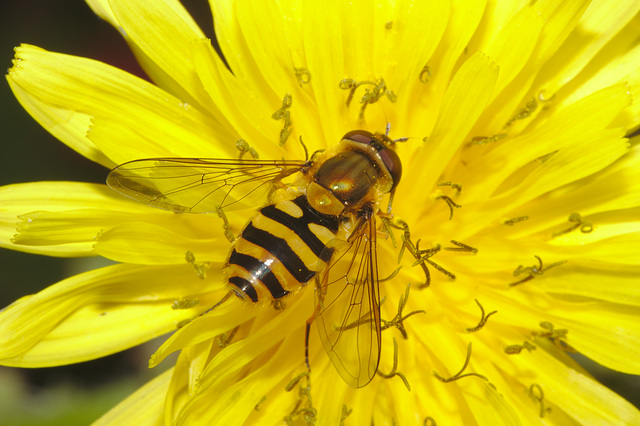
(498, 411)
(557, 19)
(103, 10)
(322, 38)
(67, 125)
(225, 404)
(54, 207)
(578, 395)
(623, 68)
(157, 124)
(150, 244)
(160, 33)
(426, 98)
(262, 28)
(143, 407)
(417, 29)
(511, 48)
(560, 19)
(468, 93)
(98, 313)
(599, 24)
(239, 106)
(621, 283)
(223, 318)
(608, 334)
(610, 207)
(270, 37)
(554, 154)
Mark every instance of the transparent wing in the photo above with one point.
(199, 185)
(348, 307)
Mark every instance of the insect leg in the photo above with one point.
(306, 340)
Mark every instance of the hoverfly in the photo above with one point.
(325, 230)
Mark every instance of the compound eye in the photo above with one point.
(360, 136)
(391, 160)
(388, 155)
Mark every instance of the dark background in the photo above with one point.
(79, 394)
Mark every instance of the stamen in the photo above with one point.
(516, 349)
(585, 226)
(184, 303)
(459, 374)
(386, 223)
(244, 147)
(309, 413)
(228, 233)
(394, 371)
(278, 304)
(450, 203)
(370, 96)
(538, 396)
(429, 421)
(453, 185)
(346, 412)
(541, 97)
(483, 318)
(461, 247)
(390, 277)
(285, 115)
(302, 75)
(447, 199)
(199, 267)
(257, 406)
(483, 140)
(523, 113)
(533, 271)
(225, 339)
(421, 256)
(182, 323)
(511, 222)
(398, 320)
(557, 335)
(425, 74)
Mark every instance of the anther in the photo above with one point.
(398, 320)
(538, 395)
(244, 148)
(302, 75)
(459, 374)
(513, 221)
(533, 271)
(394, 371)
(285, 115)
(483, 318)
(578, 222)
(524, 112)
(425, 74)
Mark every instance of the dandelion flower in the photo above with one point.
(518, 206)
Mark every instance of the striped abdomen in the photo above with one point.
(280, 250)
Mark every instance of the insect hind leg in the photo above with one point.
(224, 299)
(306, 340)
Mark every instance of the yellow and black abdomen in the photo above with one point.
(280, 250)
